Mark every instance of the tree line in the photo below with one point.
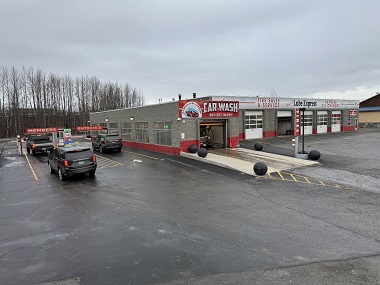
(31, 98)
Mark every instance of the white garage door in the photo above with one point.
(321, 122)
(308, 122)
(253, 124)
(335, 121)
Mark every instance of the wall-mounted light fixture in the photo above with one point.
(131, 118)
(106, 119)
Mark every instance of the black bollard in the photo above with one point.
(260, 168)
(314, 154)
(258, 146)
(193, 148)
(202, 152)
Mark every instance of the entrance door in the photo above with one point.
(253, 124)
(321, 122)
(308, 122)
(284, 123)
(213, 133)
(335, 121)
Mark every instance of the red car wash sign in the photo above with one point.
(208, 109)
(89, 128)
(42, 130)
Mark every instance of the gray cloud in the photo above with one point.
(220, 47)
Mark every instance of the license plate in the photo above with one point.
(80, 162)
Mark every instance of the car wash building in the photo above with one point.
(225, 120)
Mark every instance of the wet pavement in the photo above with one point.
(150, 218)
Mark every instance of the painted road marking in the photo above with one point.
(31, 168)
(291, 177)
(104, 162)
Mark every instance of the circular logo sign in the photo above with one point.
(191, 110)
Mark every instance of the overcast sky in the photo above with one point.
(292, 48)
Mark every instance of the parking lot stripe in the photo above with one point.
(104, 162)
(307, 180)
(322, 182)
(279, 173)
(31, 168)
(294, 178)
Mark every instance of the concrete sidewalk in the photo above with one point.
(243, 160)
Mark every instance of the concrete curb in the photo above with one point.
(243, 160)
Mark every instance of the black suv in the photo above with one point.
(68, 161)
(104, 142)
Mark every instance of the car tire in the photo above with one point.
(33, 152)
(28, 150)
(60, 174)
(119, 149)
(51, 169)
(92, 173)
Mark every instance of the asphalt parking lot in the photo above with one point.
(149, 218)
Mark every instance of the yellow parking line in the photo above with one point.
(279, 173)
(31, 168)
(307, 180)
(108, 164)
(294, 178)
(322, 182)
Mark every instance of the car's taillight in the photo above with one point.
(94, 158)
(65, 163)
(33, 145)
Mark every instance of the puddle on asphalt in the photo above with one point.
(15, 162)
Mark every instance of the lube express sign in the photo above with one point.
(292, 103)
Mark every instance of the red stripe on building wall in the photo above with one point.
(269, 134)
(153, 147)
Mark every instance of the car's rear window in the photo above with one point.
(86, 153)
(112, 137)
(39, 138)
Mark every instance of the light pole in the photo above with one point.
(303, 129)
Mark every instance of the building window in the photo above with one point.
(104, 125)
(113, 128)
(253, 121)
(321, 119)
(126, 131)
(142, 132)
(163, 133)
(308, 120)
(335, 119)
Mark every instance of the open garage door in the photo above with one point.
(321, 122)
(253, 124)
(284, 123)
(213, 133)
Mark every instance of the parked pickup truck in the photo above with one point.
(39, 143)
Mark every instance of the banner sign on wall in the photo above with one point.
(208, 109)
(252, 103)
(89, 128)
(42, 130)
